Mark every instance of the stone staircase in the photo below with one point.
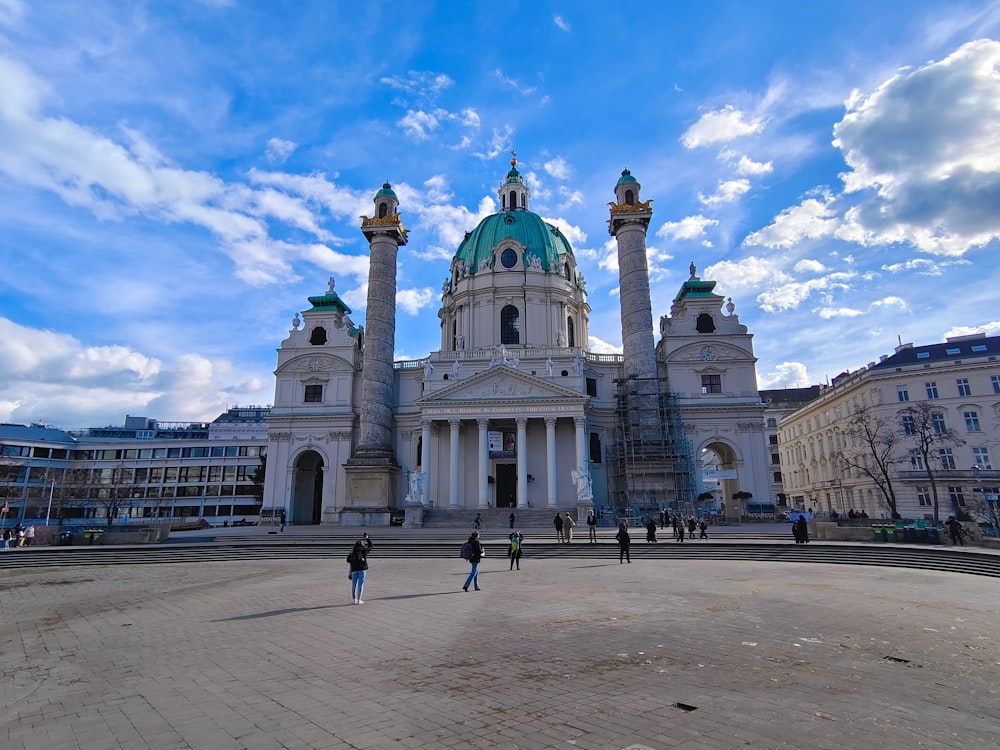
(496, 519)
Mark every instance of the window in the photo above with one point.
(570, 332)
(318, 336)
(314, 394)
(711, 384)
(972, 421)
(508, 258)
(963, 387)
(510, 325)
(916, 461)
(902, 393)
(956, 496)
(938, 425)
(995, 380)
(932, 391)
(979, 347)
(953, 350)
(772, 423)
(923, 495)
(775, 460)
(981, 457)
(777, 476)
(705, 324)
(909, 427)
(772, 439)
(947, 459)
(591, 386)
(923, 355)
(595, 448)
(629, 197)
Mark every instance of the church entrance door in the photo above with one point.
(506, 485)
(307, 489)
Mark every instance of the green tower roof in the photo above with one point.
(626, 177)
(524, 227)
(386, 192)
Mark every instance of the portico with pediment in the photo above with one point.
(503, 438)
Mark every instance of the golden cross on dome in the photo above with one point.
(513, 158)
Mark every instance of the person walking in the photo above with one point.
(29, 535)
(511, 519)
(473, 551)
(704, 529)
(692, 526)
(801, 530)
(516, 545)
(673, 525)
(558, 523)
(568, 524)
(955, 529)
(478, 521)
(592, 526)
(624, 543)
(358, 560)
(651, 531)
(7, 536)
(680, 530)
(283, 517)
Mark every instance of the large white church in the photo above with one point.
(513, 410)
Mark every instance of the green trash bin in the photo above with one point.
(879, 533)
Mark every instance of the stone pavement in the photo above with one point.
(566, 653)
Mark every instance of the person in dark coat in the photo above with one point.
(558, 522)
(955, 530)
(624, 543)
(651, 531)
(358, 560)
(511, 519)
(704, 529)
(692, 526)
(478, 553)
(801, 531)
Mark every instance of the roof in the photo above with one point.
(386, 192)
(695, 288)
(524, 227)
(626, 177)
(34, 432)
(963, 347)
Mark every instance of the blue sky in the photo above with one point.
(176, 178)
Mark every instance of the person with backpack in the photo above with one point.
(358, 560)
(516, 545)
(558, 522)
(592, 526)
(473, 551)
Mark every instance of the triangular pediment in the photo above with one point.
(502, 384)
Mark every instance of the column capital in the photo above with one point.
(454, 423)
(521, 421)
(426, 424)
(580, 421)
(483, 423)
(550, 422)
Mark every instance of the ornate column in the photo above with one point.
(550, 458)
(522, 462)
(425, 458)
(372, 471)
(454, 424)
(484, 462)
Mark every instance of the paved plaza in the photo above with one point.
(566, 653)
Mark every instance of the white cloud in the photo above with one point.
(688, 228)
(561, 23)
(96, 384)
(720, 126)
(748, 274)
(807, 265)
(11, 11)
(499, 142)
(412, 301)
(726, 192)
(924, 266)
(569, 197)
(750, 168)
(990, 329)
(278, 150)
(420, 85)
(574, 234)
(896, 303)
(514, 84)
(603, 347)
(418, 124)
(838, 312)
(792, 294)
(558, 168)
(785, 375)
(923, 155)
(608, 255)
(811, 219)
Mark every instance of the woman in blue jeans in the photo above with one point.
(358, 560)
(476, 553)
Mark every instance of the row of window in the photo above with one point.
(938, 424)
(931, 388)
(981, 457)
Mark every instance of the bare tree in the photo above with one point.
(111, 488)
(873, 450)
(928, 435)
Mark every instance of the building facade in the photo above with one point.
(146, 470)
(956, 384)
(513, 409)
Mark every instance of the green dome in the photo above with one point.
(513, 175)
(386, 192)
(524, 227)
(626, 177)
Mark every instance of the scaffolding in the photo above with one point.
(651, 466)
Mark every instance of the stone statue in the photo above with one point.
(584, 486)
(428, 370)
(460, 342)
(454, 370)
(577, 366)
(329, 289)
(534, 263)
(415, 492)
(730, 307)
(560, 338)
(692, 269)
(446, 286)
(296, 322)
(548, 367)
